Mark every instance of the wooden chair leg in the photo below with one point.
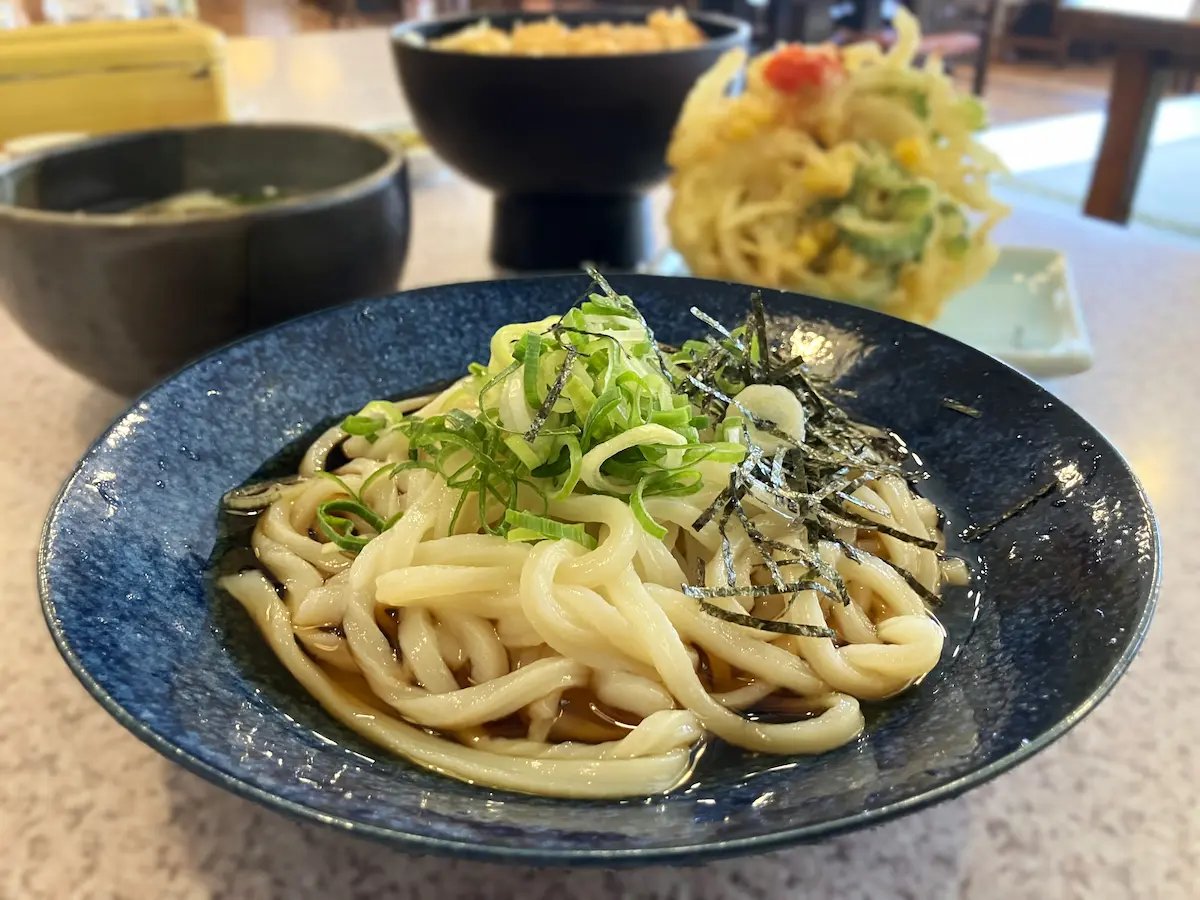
(979, 82)
(1138, 81)
(1062, 53)
(983, 59)
(799, 28)
(341, 14)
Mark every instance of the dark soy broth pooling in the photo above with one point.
(232, 554)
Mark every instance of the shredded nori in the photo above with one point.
(251, 498)
(758, 317)
(976, 532)
(846, 519)
(921, 591)
(810, 482)
(957, 407)
(718, 612)
(627, 305)
(756, 592)
(552, 396)
(716, 326)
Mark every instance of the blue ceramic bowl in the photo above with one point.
(1064, 600)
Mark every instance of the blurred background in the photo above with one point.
(1072, 107)
(287, 58)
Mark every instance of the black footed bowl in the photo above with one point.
(127, 299)
(568, 144)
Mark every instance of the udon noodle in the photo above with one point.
(637, 588)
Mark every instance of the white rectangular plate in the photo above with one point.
(1024, 312)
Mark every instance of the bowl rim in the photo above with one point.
(675, 855)
(395, 160)
(738, 33)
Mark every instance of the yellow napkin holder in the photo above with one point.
(103, 77)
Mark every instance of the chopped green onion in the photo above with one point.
(553, 467)
(629, 378)
(718, 451)
(532, 344)
(671, 418)
(385, 408)
(340, 530)
(523, 451)
(760, 346)
(497, 379)
(580, 394)
(604, 406)
(363, 426)
(542, 528)
(638, 506)
(524, 534)
(599, 305)
(632, 389)
(673, 484)
(575, 455)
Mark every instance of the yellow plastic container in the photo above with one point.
(101, 77)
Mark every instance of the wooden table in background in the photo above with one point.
(1152, 37)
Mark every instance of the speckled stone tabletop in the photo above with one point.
(1111, 811)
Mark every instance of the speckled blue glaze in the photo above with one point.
(1066, 599)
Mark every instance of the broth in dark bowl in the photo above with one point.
(126, 299)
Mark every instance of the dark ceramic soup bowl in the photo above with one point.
(126, 299)
(1061, 598)
(569, 144)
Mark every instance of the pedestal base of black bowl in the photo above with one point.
(558, 232)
